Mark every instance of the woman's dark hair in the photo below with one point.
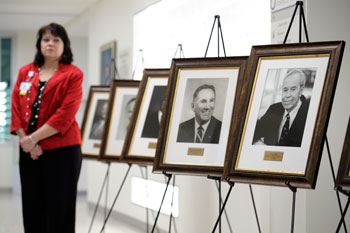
(56, 30)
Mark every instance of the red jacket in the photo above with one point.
(59, 104)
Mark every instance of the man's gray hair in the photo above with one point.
(300, 73)
(202, 87)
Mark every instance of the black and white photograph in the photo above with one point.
(127, 108)
(94, 121)
(142, 137)
(120, 107)
(200, 102)
(203, 102)
(154, 113)
(287, 107)
(99, 120)
(284, 107)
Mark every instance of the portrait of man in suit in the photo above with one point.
(99, 120)
(203, 127)
(284, 122)
(154, 113)
(126, 113)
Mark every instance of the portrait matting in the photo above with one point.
(120, 107)
(343, 176)
(94, 120)
(141, 140)
(287, 110)
(198, 115)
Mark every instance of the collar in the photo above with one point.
(293, 113)
(205, 126)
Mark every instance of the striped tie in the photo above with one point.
(199, 137)
(285, 131)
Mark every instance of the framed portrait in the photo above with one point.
(107, 59)
(141, 140)
(120, 107)
(343, 177)
(200, 100)
(287, 110)
(94, 120)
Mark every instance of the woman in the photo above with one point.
(45, 99)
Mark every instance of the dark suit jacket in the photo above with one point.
(268, 125)
(151, 127)
(212, 135)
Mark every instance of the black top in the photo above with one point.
(33, 122)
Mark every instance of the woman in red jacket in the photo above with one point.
(45, 100)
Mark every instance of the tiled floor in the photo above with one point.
(11, 218)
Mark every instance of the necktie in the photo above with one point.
(284, 132)
(199, 136)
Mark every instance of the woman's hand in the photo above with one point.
(36, 152)
(27, 143)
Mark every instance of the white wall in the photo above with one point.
(329, 20)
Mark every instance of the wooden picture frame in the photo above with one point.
(199, 90)
(295, 156)
(343, 176)
(107, 62)
(93, 121)
(120, 107)
(141, 140)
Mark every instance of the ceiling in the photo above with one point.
(29, 15)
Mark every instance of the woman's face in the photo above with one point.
(51, 46)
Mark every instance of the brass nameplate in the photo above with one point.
(273, 155)
(195, 151)
(97, 145)
(152, 145)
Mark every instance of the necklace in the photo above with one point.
(49, 76)
(36, 104)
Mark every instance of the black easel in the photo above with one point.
(346, 193)
(115, 199)
(171, 219)
(302, 19)
(146, 178)
(100, 195)
(216, 18)
(181, 52)
(218, 186)
(294, 190)
(224, 204)
(217, 179)
(338, 190)
(161, 204)
(181, 55)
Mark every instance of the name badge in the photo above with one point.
(24, 87)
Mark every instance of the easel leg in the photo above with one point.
(115, 199)
(145, 176)
(106, 199)
(256, 213)
(226, 216)
(160, 207)
(333, 175)
(219, 182)
(172, 202)
(223, 206)
(294, 190)
(343, 214)
(99, 197)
